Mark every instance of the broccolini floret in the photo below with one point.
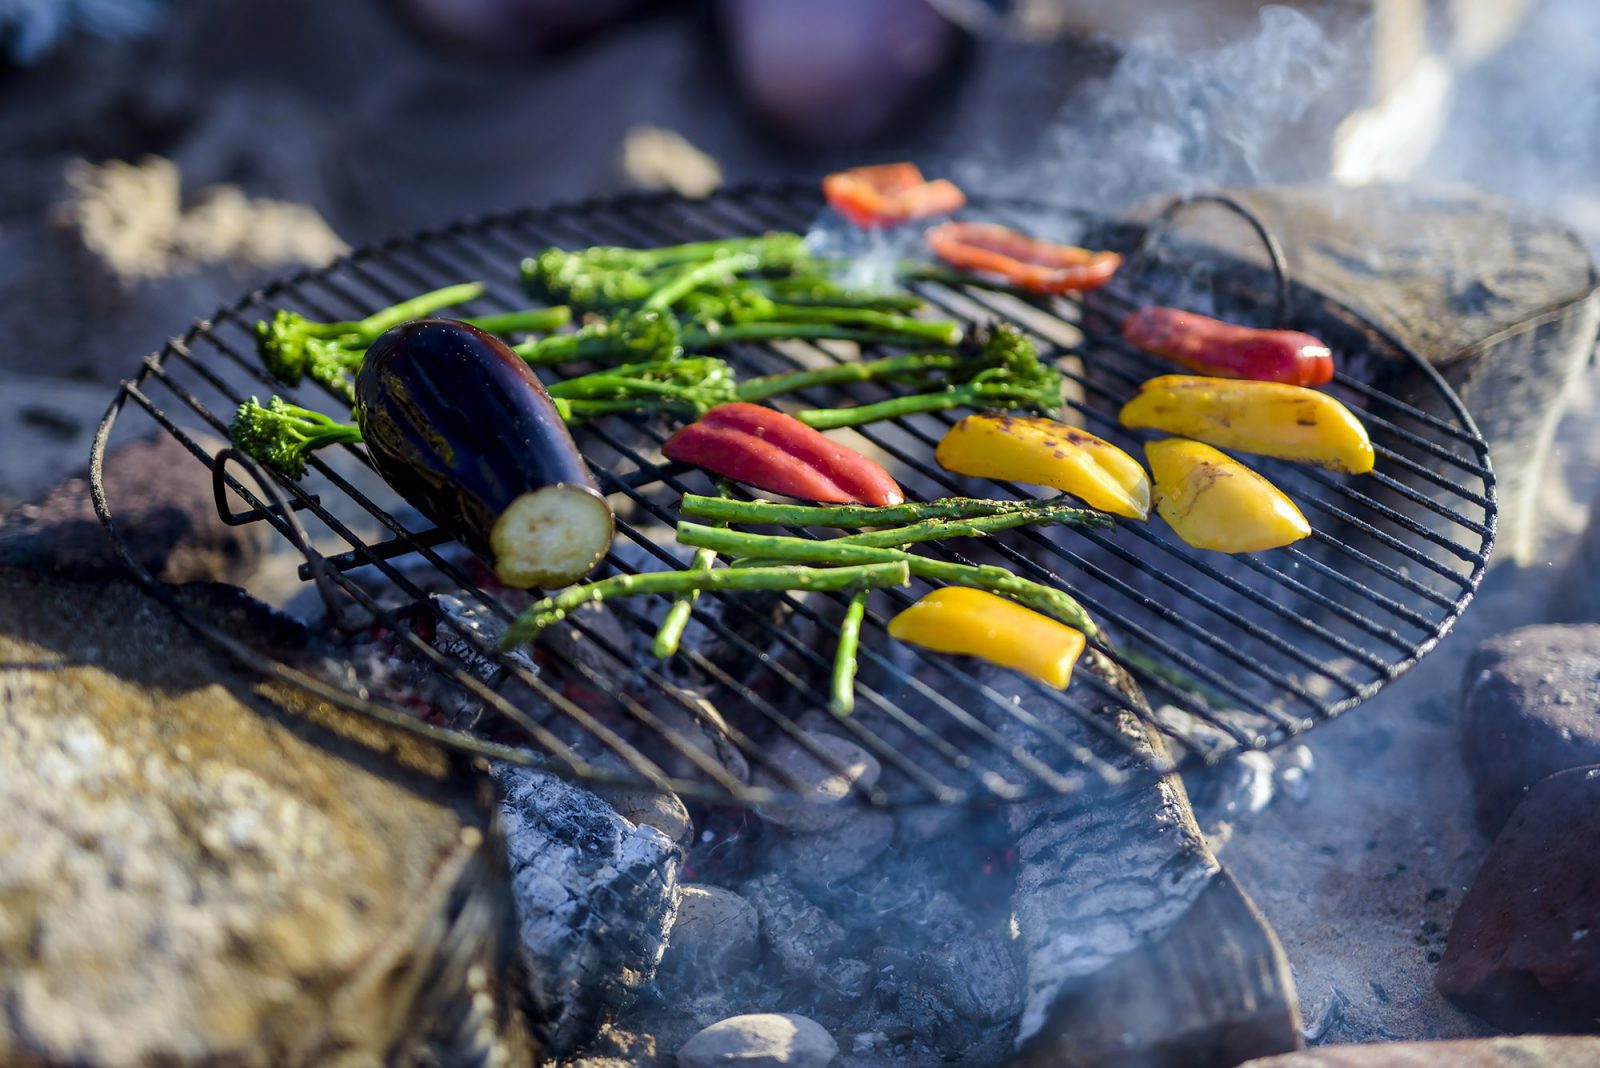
(279, 434)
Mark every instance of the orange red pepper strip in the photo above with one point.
(889, 194)
(1027, 262)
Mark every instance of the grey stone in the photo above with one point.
(1522, 1051)
(161, 500)
(716, 931)
(1531, 708)
(1524, 947)
(595, 897)
(834, 856)
(761, 1040)
(824, 792)
(200, 867)
(800, 935)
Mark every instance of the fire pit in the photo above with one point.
(1234, 655)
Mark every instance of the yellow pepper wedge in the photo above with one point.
(1266, 418)
(1212, 501)
(1043, 452)
(957, 619)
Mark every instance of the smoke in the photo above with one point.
(1172, 116)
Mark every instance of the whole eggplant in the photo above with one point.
(464, 430)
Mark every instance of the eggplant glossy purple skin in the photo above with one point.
(464, 430)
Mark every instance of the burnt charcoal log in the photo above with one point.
(162, 502)
(1518, 1052)
(1116, 894)
(595, 897)
(799, 935)
(1530, 708)
(1524, 947)
(206, 868)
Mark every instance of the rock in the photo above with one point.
(1522, 1051)
(161, 502)
(1531, 708)
(761, 1040)
(595, 898)
(799, 934)
(824, 791)
(829, 857)
(1524, 948)
(650, 808)
(716, 931)
(197, 866)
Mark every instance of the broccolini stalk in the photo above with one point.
(639, 335)
(690, 385)
(1046, 599)
(552, 610)
(886, 368)
(842, 685)
(670, 633)
(605, 276)
(280, 435)
(1018, 379)
(699, 506)
(292, 346)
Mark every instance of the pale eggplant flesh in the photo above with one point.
(463, 429)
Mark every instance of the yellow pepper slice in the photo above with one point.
(1212, 501)
(956, 619)
(1267, 418)
(1043, 452)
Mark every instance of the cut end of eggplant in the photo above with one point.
(552, 536)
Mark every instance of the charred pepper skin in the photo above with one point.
(1043, 452)
(769, 450)
(1212, 501)
(1212, 347)
(958, 619)
(1266, 418)
(888, 194)
(464, 430)
(1026, 262)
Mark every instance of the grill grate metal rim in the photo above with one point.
(967, 741)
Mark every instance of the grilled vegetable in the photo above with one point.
(281, 435)
(464, 430)
(847, 552)
(292, 346)
(772, 451)
(1046, 453)
(1214, 502)
(1026, 262)
(1225, 350)
(724, 510)
(1015, 378)
(1267, 418)
(889, 194)
(554, 609)
(611, 277)
(976, 623)
(689, 385)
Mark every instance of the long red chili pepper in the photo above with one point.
(889, 194)
(1225, 350)
(1035, 265)
(776, 452)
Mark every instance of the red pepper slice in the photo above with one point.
(776, 452)
(1225, 350)
(1027, 262)
(889, 194)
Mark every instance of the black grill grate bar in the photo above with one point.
(1349, 551)
(1217, 681)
